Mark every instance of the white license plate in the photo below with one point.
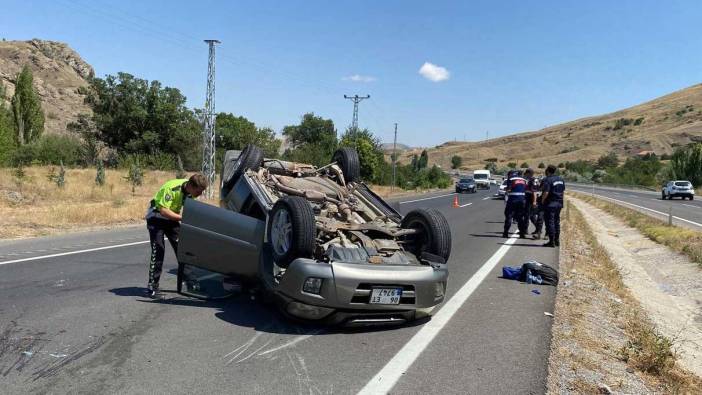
(386, 295)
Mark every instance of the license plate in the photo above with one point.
(386, 295)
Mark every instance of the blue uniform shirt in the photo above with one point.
(555, 186)
(516, 189)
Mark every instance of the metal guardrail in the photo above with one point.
(627, 187)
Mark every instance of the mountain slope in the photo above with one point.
(58, 73)
(659, 125)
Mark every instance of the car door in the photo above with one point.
(220, 240)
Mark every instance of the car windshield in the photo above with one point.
(480, 176)
(466, 180)
(682, 184)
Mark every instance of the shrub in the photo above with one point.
(49, 149)
(456, 162)
(512, 165)
(100, 174)
(541, 165)
(524, 165)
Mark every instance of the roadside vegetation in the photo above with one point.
(138, 121)
(602, 341)
(685, 241)
(648, 170)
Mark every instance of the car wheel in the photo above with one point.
(692, 197)
(434, 236)
(251, 157)
(347, 159)
(291, 230)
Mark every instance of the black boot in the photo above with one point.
(550, 244)
(505, 235)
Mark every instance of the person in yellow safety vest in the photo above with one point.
(163, 219)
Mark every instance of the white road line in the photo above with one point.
(464, 205)
(690, 205)
(429, 198)
(486, 198)
(388, 376)
(652, 210)
(72, 252)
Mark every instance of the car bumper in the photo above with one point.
(484, 185)
(469, 189)
(679, 194)
(346, 288)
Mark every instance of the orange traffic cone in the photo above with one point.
(455, 201)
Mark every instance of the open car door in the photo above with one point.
(215, 246)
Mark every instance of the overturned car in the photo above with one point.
(317, 240)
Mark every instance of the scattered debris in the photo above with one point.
(536, 291)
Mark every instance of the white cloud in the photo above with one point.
(433, 72)
(359, 78)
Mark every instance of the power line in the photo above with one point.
(208, 134)
(356, 99)
(394, 157)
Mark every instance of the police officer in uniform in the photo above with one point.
(533, 204)
(552, 200)
(515, 207)
(163, 219)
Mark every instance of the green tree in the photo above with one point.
(370, 152)
(512, 165)
(100, 174)
(423, 160)
(456, 162)
(492, 167)
(607, 161)
(686, 164)
(312, 141)
(524, 165)
(7, 133)
(26, 109)
(135, 116)
(236, 132)
(541, 165)
(91, 146)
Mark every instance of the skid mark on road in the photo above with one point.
(243, 352)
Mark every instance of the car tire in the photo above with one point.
(435, 236)
(348, 161)
(692, 198)
(291, 230)
(251, 157)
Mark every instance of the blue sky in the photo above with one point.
(512, 66)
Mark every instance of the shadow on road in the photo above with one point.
(241, 310)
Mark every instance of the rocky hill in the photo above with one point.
(659, 125)
(58, 73)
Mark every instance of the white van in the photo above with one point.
(482, 178)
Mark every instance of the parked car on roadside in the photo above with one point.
(679, 188)
(465, 185)
(317, 241)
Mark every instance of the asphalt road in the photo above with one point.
(77, 322)
(687, 213)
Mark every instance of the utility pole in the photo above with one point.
(394, 158)
(487, 135)
(356, 99)
(208, 134)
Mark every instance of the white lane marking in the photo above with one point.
(464, 205)
(652, 210)
(657, 200)
(429, 198)
(486, 198)
(388, 376)
(34, 258)
(690, 205)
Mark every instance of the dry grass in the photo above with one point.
(597, 307)
(682, 240)
(37, 206)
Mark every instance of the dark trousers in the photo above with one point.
(158, 228)
(516, 209)
(552, 216)
(536, 215)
